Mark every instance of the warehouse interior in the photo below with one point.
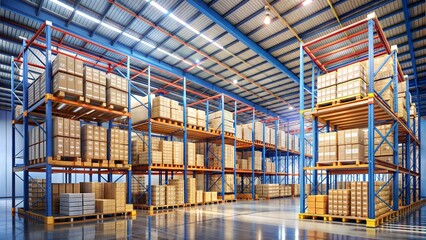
(174, 119)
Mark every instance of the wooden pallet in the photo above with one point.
(195, 127)
(246, 196)
(95, 102)
(117, 108)
(338, 101)
(63, 158)
(69, 96)
(37, 161)
(61, 219)
(350, 162)
(326, 163)
(169, 121)
(97, 162)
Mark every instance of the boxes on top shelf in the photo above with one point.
(356, 87)
(327, 80)
(353, 71)
(326, 94)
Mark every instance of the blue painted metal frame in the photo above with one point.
(302, 132)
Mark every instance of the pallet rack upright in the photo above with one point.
(373, 105)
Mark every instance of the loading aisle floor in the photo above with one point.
(273, 219)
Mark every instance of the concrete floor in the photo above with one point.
(274, 219)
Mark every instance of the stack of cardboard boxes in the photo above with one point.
(177, 153)
(385, 152)
(351, 145)
(91, 194)
(66, 137)
(191, 154)
(166, 147)
(59, 188)
(257, 160)
(285, 190)
(200, 160)
(326, 87)
(359, 200)
(270, 166)
(158, 195)
(93, 142)
(340, 202)
(105, 205)
(216, 183)
(67, 74)
(95, 86)
(267, 190)
(176, 112)
(37, 200)
(160, 108)
(191, 190)
(191, 116)
(116, 191)
(215, 157)
(179, 184)
(138, 187)
(327, 147)
(170, 195)
(215, 121)
(243, 164)
(37, 142)
(201, 118)
(118, 145)
(117, 91)
(317, 204)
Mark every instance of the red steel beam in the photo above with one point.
(338, 41)
(31, 41)
(345, 48)
(360, 52)
(353, 25)
(203, 100)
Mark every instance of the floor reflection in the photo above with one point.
(275, 219)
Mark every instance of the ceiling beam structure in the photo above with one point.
(231, 29)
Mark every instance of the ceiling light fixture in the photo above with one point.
(291, 108)
(235, 81)
(306, 2)
(267, 16)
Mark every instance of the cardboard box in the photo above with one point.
(70, 65)
(88, 74)
(59, 64)
(327, 80)
(58, 126)
(60, 82)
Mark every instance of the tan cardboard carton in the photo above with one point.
(70, 65)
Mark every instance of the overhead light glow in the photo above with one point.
(111, 27)
(131, 36)
(306, 2)
(147, 44)
(218, 45)
(61, 106)
(187, 62)
(77, 109)
(197, 61)
(62, 5)
(87, 16)
(157, 6)
(291, 108)
(205, 37)
(192, 29)
(235, 81)
(177, 19)
(267, 16)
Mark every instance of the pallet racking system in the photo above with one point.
(49, 40)
(369, 43)
(45, 42)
